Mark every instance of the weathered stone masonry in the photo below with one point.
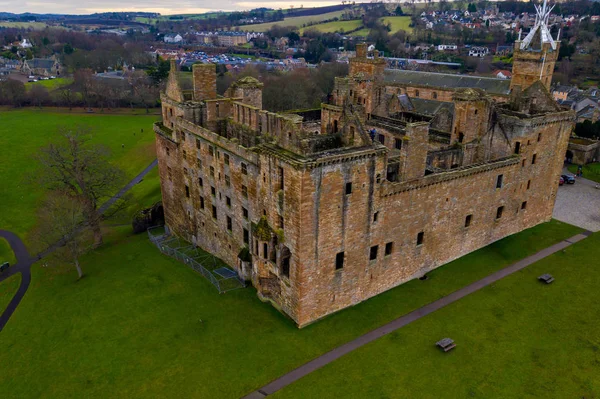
(381, 190)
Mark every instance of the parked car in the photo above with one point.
(31, 77)
(561, 181)
(569, 179)
(4, 266)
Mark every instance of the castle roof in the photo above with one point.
(447, 81)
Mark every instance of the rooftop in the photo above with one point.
(445, 80)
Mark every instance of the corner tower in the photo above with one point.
(534, 57)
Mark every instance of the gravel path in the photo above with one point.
(579, 204)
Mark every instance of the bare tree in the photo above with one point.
(75, 166)
(39, 95)
(61, 222)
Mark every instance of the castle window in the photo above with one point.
(229, 224)
(167, 151)
(265, 251)
(499, 181)
(475, 112)
(246, 237)
(416, 93)
(187, 191)
(228, 201)
(335, 126)
(199, 162)
(461, 137)
(226, 159)
(211, 150)
(244, 191)
(182, 134)
(200, 182)
(212, 172)
(227, 181)
(184, 154)
(373, 252)
(375, 216)
(244, 169)
(217, 109)
(533, 159)
(348, 188)
(281, 222)
(539, 137)
(213, 191)
(214, 211)
(468, 220)
(528, 184)
(378, 178)
(420, 238)
(285, 267)
(434, 96)
(524, 205)
(523, 163)
(280, 169)
(499, 212)
(245, 213)
(398, 144)
(198, 143)
(201, 202)
(339, 261)
(381, 138)
(517, 147)
(389, 247)
(169, 173)
(171, 111)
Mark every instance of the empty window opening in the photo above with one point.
(187, 191)
(389, 247)
(539, 137)
(518, 147)
(246, 236)
(211, 150)
(280, 178)
(339, 261)
(198, 143)
(214, 211)
(228, 201)
(227, 181)
(335, 126)
(244, 191)
(373, 252)
(244, 169)
(213, 191)
(528, 184)
(375, 216)
(167, 150)
(212, 172)
(499, 212)
(200, 182)
(434, 95)
(381, 138)
(229, 223)
(416, 93)
(378, 178)
(533, 159)
(285, 267)
(201, 202)
(184, 154)
(398, 144)
(348, 188)
(226, 159)
(245, 213)
(265, 251)
(499, 181)
(524, 205)
(199, 162)
(461, 137)
(468, 220)
(281, 222)
(420, 238)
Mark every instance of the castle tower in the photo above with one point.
(534, 57)
(369, 68)
(205, 81)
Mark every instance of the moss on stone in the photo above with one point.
(262, 230)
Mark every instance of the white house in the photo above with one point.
(450, 47)
(173, 38)
(25, 44)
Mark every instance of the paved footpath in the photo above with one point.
(24, 260)
(400, 322)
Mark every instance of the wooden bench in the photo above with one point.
(446, 344)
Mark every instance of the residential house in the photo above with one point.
(42, 67)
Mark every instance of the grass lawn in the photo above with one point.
(26, 25)
(336, 26)
(131, 327)
(51, 84)
(591, 171)
(8, 288)
(517, 338)
(398, 23)
(6, 252)
(292, 21)
(23, 132)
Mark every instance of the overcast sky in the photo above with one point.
(161, 6)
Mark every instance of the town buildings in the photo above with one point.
(400, 173)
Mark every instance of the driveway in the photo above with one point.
(579, 204)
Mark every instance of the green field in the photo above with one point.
(336, 26)
(517, 338)
(398, 23)
(140, 324)
(591, 171)
(51, 84)
(8, 288)
(26, 25)
(6, 253)
(293, 21)
(23, 132)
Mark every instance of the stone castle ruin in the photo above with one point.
(399, 174)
